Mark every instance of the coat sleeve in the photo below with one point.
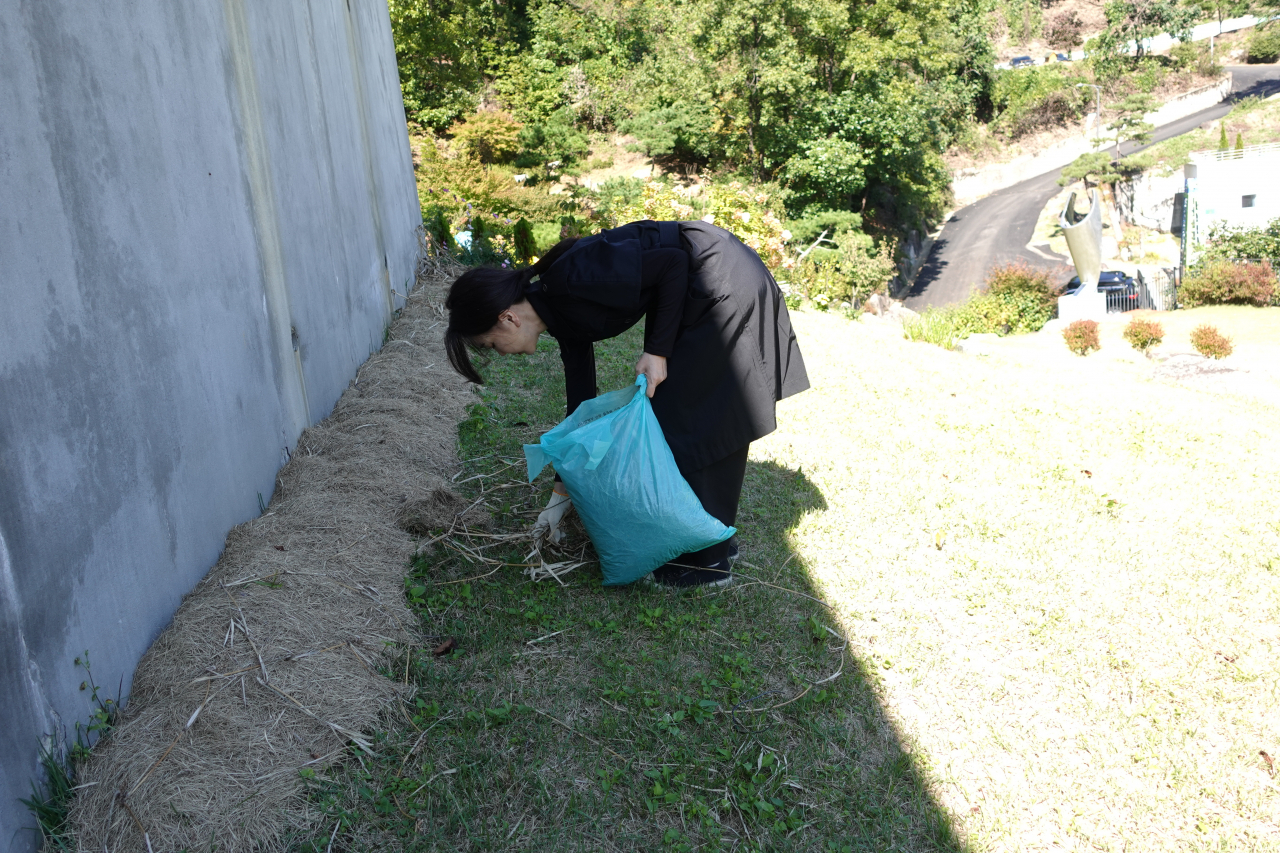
(665, 280)
(579, 359)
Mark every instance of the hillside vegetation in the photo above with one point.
(835, 117)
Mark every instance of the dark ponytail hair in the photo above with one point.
(478, 296)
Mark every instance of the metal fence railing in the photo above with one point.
(1241, 153)
(1157, 289)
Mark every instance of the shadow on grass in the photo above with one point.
(889, 805)
(581, 717)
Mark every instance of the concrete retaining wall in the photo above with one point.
(206, 210)
(969, 186)
(1147, 199)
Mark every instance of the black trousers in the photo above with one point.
(718, 486)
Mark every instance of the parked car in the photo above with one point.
(1063, 57)
(1119, 288)
(1021, 62)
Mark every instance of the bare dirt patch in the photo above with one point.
(271, 665)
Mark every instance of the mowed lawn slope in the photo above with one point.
(1067, 579)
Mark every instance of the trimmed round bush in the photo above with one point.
(1082, 336)
(1142, 335)
(1210, 343)
(1228, 283)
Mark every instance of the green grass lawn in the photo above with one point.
(1058, 588)
(577, 717)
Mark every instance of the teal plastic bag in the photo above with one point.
(625, 485)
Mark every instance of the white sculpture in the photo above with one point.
(1084, 240)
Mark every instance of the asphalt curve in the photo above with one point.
(995, 230)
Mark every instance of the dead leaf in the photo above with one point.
(1086, 472)
(445, 648)
(1271, 764)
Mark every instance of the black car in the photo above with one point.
(1021, 62)
(1119, 287)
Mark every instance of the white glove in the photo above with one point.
(549, 519)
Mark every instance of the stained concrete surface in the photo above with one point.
(207, 211)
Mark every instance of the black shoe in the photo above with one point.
(673, 576)
(733, 549)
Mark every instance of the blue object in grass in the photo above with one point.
(616, 464)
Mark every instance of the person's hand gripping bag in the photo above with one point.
(616, 464)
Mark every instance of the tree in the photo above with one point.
(1130, 124)
(1097, 165)
(873, 139)
(1063, 30)
(444, 49)
(764, 70)
(1223, 144)
(1138, 20)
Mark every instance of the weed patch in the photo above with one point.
(577, 717)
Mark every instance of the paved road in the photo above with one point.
(996, 229)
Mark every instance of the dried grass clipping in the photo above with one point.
(270, 664)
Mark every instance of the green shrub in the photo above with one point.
(1194, 56)
(618, 194)
(490, 136)
(1028, 99)
(545, 235)
(555, 140)
(1015, 299)
(816, 280)
(438, 227)
(1082, 337)
(679, 133)
(1209, 342)
(866, 267)
(525, 244)
(1184, 55)
(1142, 335)
(462, 186)
(1021, 280)
(1243, 244)
(1226, 283)
(850, 273)
(1264, 44)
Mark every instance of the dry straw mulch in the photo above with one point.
(271, 663)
